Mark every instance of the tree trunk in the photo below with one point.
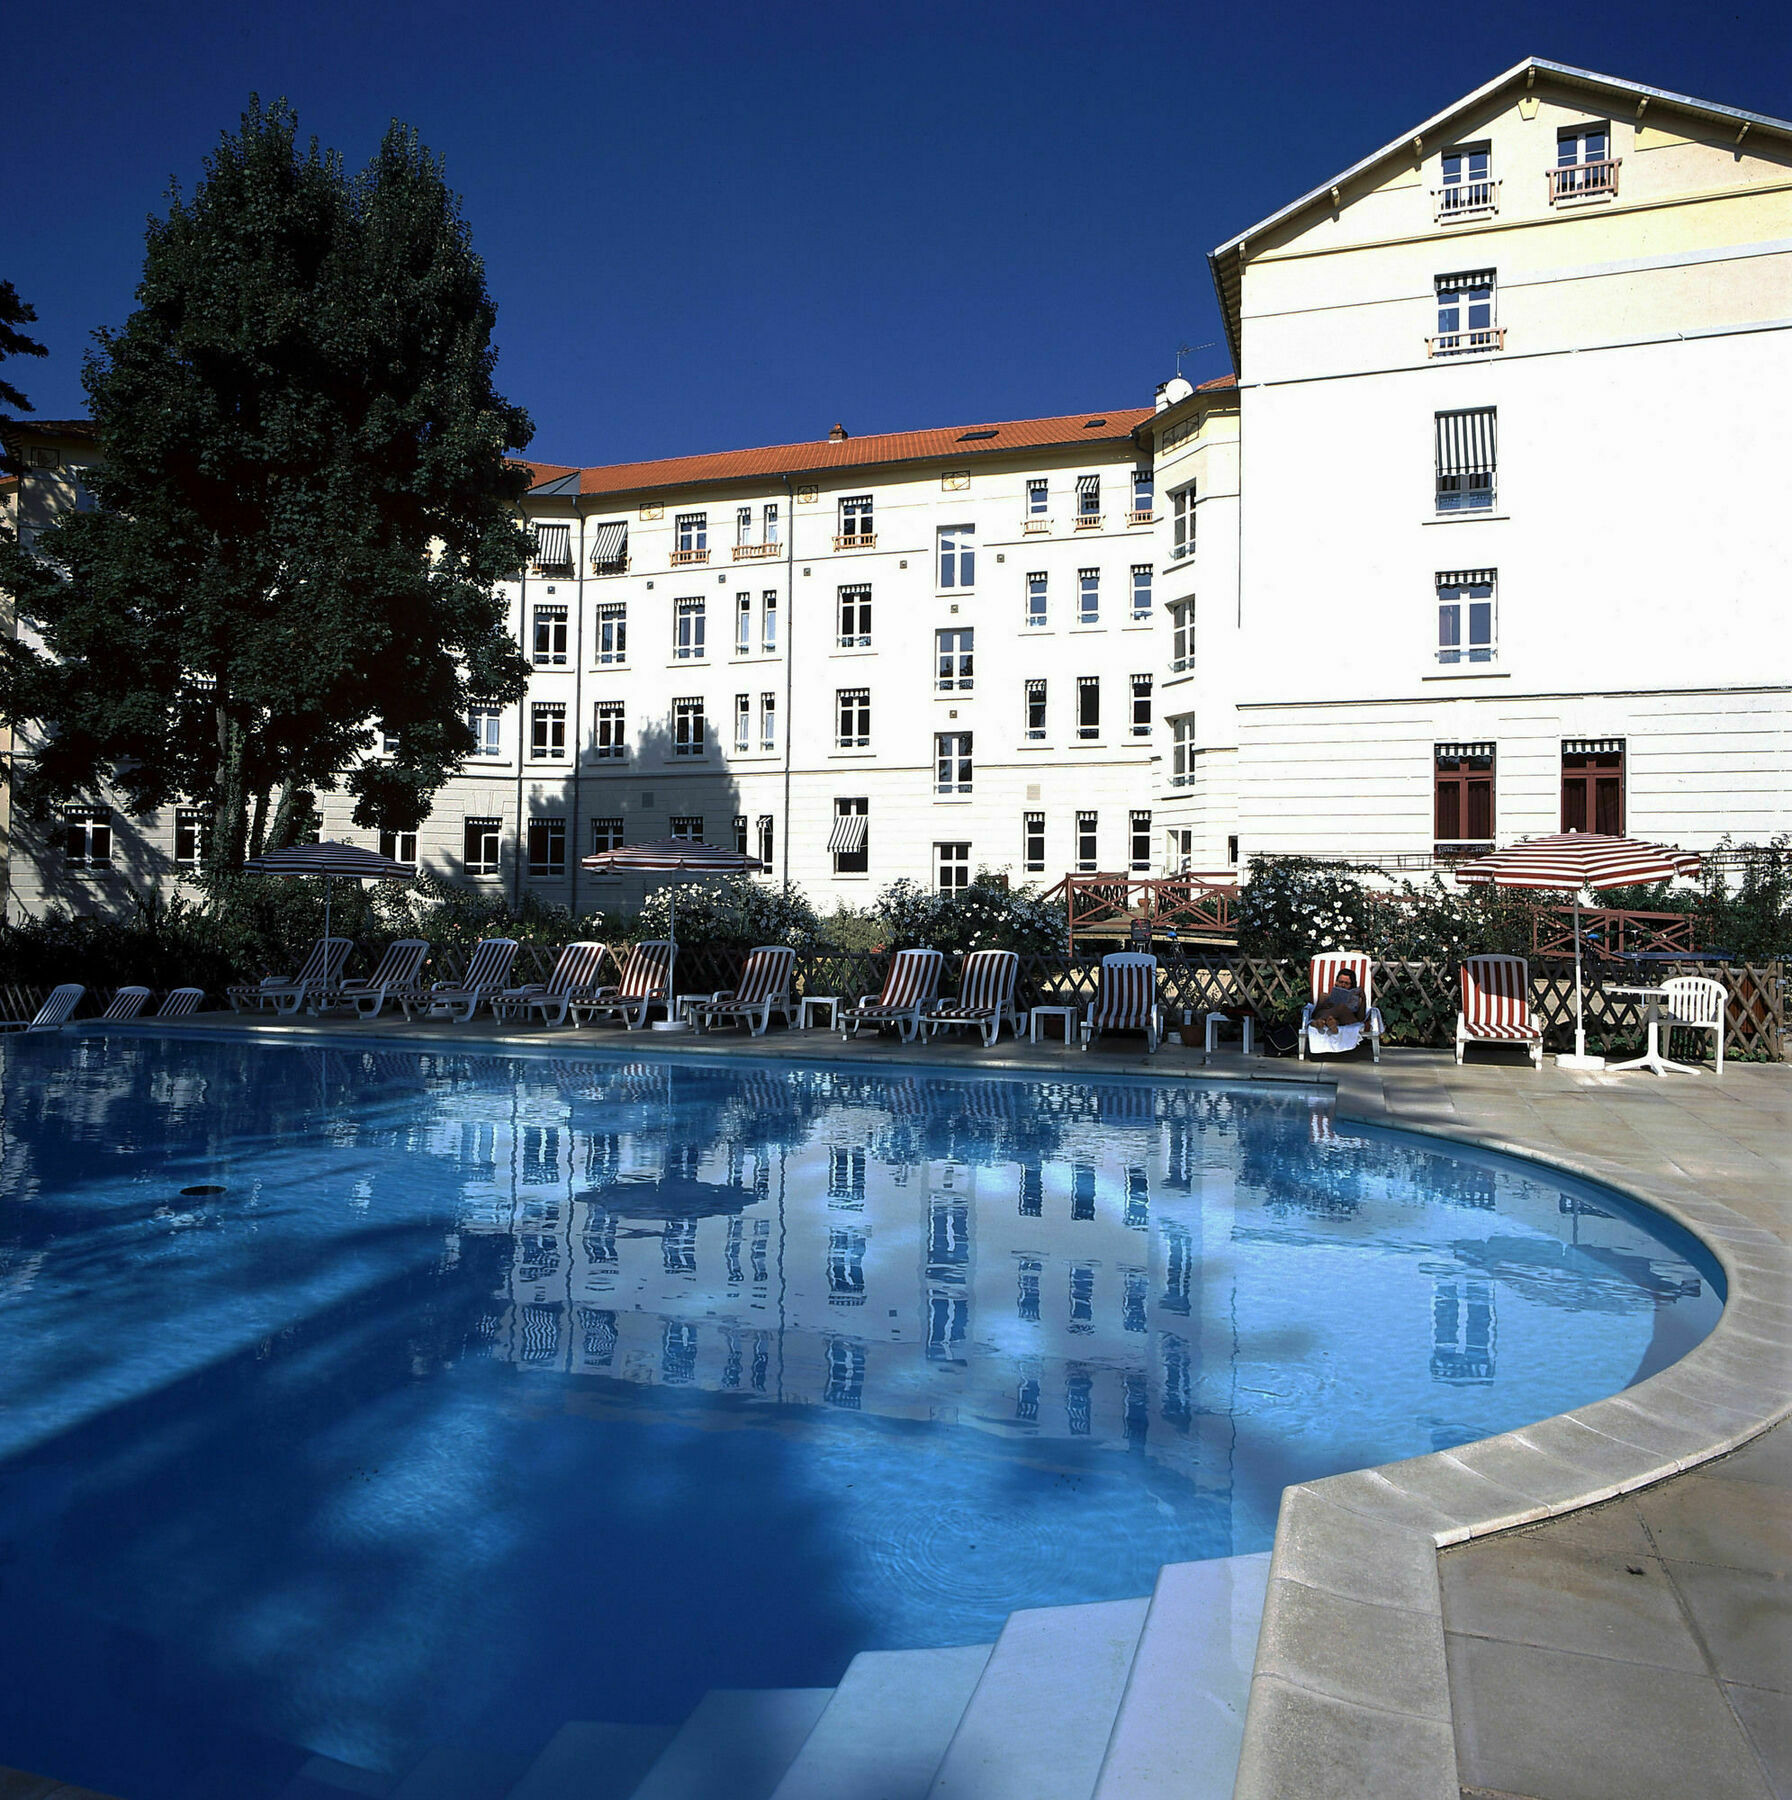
(258, 823)
(284, 829)
(229, 793)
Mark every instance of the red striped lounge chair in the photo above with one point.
(488, 969)
(53, 1014)
(765, 988)
(400, 969)
(909, 990)
(1323, 973)
(1126, 999)
(321, 975)
(1496, 1006)
(127, 1003)
(985, 997)
(646, 983)
(574, 977)
(181, 1003)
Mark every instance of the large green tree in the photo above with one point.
(304, 506)
(14, 312)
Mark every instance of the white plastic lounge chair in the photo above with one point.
(488, 969)
(398, 972)
(181, 1003)
(646, 983)
(909, 992)
(985, 997)
(1126, 999)
(1323, 974)
(287, 993)
(1684, 1003)
(1496, 1006)
(764, 989)
(53, 1014)
(574, 978)
(127, 1003)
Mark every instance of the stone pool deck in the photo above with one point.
(1597, 1606)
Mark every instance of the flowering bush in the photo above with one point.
(1293, 906)
(729, 910)
(984, 916)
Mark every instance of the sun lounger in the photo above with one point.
(1126, 999)
(1323, 974)
(985, 997)
(53, 1014)
(488, 969)
(287, 993)
(1496, 1006)
(399, 970)
(646, 983)
(909, 991)
(574, 978)
(181, 1003)
(127, 1003)
(764, 989)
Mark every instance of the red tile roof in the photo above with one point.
(822, 455)
(1219, 381)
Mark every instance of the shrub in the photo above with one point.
(729, 910)
(1294, 907)
(987, 915)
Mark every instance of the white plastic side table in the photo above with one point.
(1066, 1013)
(830, 1001)
(1218, 1022)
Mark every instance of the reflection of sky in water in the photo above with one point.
(491, 1393)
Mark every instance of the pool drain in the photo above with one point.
(205, 1187)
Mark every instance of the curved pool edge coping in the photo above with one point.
(1350, 1691)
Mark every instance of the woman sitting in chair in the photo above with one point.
(1343, 1005)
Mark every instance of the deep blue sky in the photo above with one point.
(713, 226)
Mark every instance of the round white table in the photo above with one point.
(1651, 1058)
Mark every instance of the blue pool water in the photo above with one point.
(355, 1401)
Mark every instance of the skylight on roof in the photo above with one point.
(1090, 424)
(964, 437)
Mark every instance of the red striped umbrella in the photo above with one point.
(671, 856)
(1577, 861)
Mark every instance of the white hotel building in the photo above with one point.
(1487, 538)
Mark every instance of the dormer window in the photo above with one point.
(1468, 189)
(1585, 167)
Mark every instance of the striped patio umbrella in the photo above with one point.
(671, 856)
(346, 862)
(1576, 861)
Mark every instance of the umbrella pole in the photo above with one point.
(1580, 1017)
(672, 939)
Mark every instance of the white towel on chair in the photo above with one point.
(1333, 1043)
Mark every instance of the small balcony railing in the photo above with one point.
(1035, 527)
(1467, 343)
(682, 557)
(1466, 200)
(1090, 521)
(609, 565)
(752, 552)
(1584, 181)
(1141, 515)
(855, 540)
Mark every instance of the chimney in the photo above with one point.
(838, 435)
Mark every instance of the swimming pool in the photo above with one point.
(358, 1400)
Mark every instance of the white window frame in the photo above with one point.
(743, 623)
(612, 632)
(192, 820)
(743, 722)
(1088, 843)
(607, 834)
(1088, 709)
(690, 729)
(87, 837)
(768, 622)
(399, 846)
(852, 718)
(551, 831)
(1182, 636)
(854, 862)
(954, 762)
(1182, 522)
(491, 838)
(690, 616)
(954, 659)
(1141, 706)
(1182, 750)
(1033, 709)
(1139, 863)
(1032, 843)
(955, 560)
(852, 603)
(486, 722)
(1088, 596)
(1467, 616)
(1038, 612)
(550, 637)
(1039, 497)
(858, 518)
(691, 533)
(1144, 494)
(951, 866)
(609, 730)
(768, 721)
(547, 730)
(1142, 579)
(1467, 318)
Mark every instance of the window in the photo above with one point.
(612, 632)
(1182, 635)
(606, 834)
(1465, 315)
(547, 847)
(1088, 707)
(953, 656)
(1465, 616)
(1035, 711)
(768, 721)
(952, 867)
(1464, 787)
(609, 730)
(691, 538)
(952, 762)
(768, 621)
(1088, 500)
(1182, 750)
(550, 636)
(1086, 860)
(687, 727)
(1465, 460)
(768, 517)
(858, 528)
(400, 846)
(480, 841)
(609, 549)
(1143, 492)
(1036, 601)
(390, 742)
(1088, 602)
(1141, 592)
(743, 624)
(1182, 521)
(687, 629)
(1038, 498)
(765, 839)
(547, 728)
(743, 721)
(855, 618)
(852, 711)
(1141, 843)
(740, 835)
(849, 840)
(743, 525)
(688, 826)
(1182, 849)
(1593, 785)
(486, 724)
(189, 839)
(553, 549)
(1032, 842)
(87, 838)
(1141, 706)
(958, 556)
(1467, 185)
(1584, 163)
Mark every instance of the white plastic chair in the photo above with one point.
(1690, 1003)
(127, 1003)
(53, 1014)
